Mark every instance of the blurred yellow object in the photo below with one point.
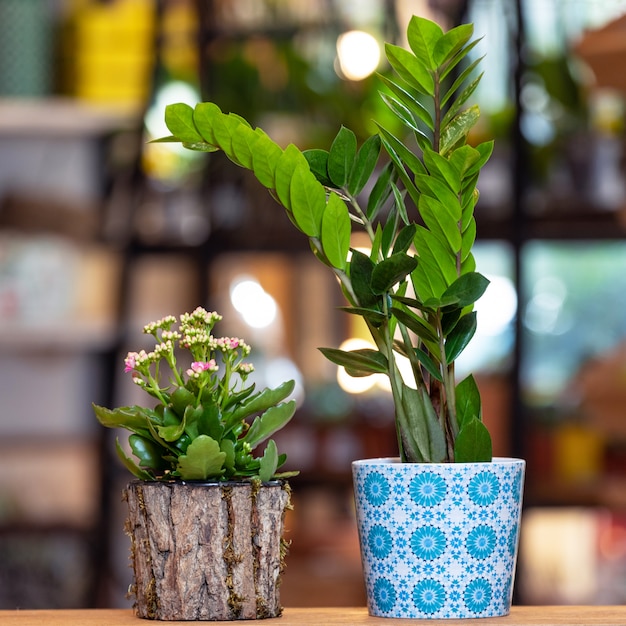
(579, 452)
(112, 51)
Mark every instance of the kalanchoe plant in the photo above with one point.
(417, 285)
(207, 420)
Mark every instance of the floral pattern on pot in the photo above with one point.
(439, 540)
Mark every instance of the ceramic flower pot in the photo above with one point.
(438, 540)
(206, 551)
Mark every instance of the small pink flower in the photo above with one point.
(130, 362)
(197, 367)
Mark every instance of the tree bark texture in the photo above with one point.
(207, 551)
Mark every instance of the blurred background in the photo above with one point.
(101, 232)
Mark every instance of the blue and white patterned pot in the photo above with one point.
(438, 540)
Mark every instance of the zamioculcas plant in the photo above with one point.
(415, 289)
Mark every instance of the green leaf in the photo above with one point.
(391, 271)
(460, 336)
(417, 324)
(460, 100)
(130, 465)
(341, 156)
(149, 453)
(365, 361)
(133, 418)
(402, 156)
(458, 129)
(473, 443)
(204, 116)
(308, 201)
(364, 165)
(380, 192)
(262, 401)
(374, 316)
(428, 363)
(409, 68)
(468, 405)
(264, 159)
(440, 222)
(410, 98)
(286, 165)
(437, 266)
(422, 437)
(404, 240)
(265, 425)
(227, 446)
(268, 462)
(466, 289)
(204, 459)
(423, 36)
(442, 168)
(336, 232)
(179, 120)
(318, 163)
(451, 42)
(361, 268)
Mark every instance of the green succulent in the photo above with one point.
(207, 421)
(415, 289)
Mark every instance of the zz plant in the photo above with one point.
(416, 288)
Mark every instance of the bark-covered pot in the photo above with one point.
(207, 551)
(439, 540)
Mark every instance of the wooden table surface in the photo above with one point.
(520, 616)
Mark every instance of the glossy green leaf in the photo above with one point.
(401, 157)
(460, 100)
(204, 459)
(391, 271)
(286, 164)
(264, 159)
(318, 163)
(468, 404)
(423, 434)
(468, 288)
(451, 42)
(439, 221)
(308, 201)
(365, 361)
(147, 451)
(271, 420)
(130, 465)
(462, 334)
(361, 268)
(381, 191)
(458, 57)
(473, 443)
(335, 236)
(458, 129)
(404, 240)
(423, 36)
(485, 149)
(428, 363)
(409, 68)
(133, 418)
(410, 98)
(417, 324)
(262, 401)
(179, 120)
(268, 462)
(442, 168)
(364, 165)
(204, 116)
(341, 157)
(437, 266)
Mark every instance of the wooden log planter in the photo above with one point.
(207, 551)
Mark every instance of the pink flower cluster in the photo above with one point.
(197, 367)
